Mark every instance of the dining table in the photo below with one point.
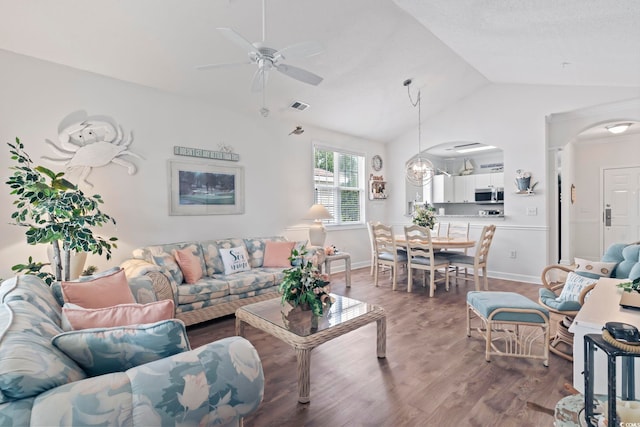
(441, 242)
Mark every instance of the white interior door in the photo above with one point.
(621, 210)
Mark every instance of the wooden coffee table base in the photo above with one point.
(304, 344)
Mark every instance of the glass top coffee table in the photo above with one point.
(304, 332)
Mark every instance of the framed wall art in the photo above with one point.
(205, 189)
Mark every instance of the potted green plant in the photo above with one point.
(304, 286)
(55, 212)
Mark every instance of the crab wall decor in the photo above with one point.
(85, 143)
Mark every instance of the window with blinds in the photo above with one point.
(338, 178)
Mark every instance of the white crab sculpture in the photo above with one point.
(92, 143)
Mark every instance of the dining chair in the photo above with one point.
(458, 230)
(443, 230)
(373, 245)
(478, 261)
(420, 256)
(387, 252)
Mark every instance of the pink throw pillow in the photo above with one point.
(105, 291)
(119, 315)
(276, 254)
(189, 265)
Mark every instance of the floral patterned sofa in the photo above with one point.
(215, 384)
(216, 293)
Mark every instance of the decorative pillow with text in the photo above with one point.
(235, 260)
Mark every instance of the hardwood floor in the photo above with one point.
(433, 375)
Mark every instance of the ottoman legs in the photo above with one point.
(506, 335)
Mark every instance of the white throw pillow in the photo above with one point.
(594, 269)
(573, 286)
(235, 260)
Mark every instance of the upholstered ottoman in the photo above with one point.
(511, 324)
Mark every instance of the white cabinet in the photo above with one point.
(442, 189)
(497, 179)
(487, 180)
(464, 189)
(483, 180)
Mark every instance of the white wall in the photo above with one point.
(511, 117)
(37, 95)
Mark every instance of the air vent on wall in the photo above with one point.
(300, 106)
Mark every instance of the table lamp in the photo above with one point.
(317, 232)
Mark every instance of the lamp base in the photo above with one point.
(317, 234)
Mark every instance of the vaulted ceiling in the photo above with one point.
(450, 48)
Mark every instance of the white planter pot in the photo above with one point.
(77, 262)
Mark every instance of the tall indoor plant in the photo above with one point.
(54, 211)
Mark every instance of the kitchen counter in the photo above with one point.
(444, 218)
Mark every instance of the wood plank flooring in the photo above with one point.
(433, 375)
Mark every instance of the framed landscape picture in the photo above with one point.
(205, 189)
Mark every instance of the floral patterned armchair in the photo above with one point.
(40, 384)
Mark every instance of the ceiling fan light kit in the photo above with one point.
(268, 58)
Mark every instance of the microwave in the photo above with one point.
(490, 195)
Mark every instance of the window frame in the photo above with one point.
(336, 189)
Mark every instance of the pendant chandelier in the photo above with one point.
(419, 170)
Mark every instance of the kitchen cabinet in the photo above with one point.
(464, 189)
(497, 179)
(488, 180)
(442, 189)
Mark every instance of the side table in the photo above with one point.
(347, 265)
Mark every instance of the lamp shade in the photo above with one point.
(317, 233)
(318, 211)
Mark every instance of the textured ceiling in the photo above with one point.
(450, 49)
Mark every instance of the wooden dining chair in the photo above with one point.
(458, 230)
(373, 245)
(443, 230)
(479, 260)
(387, 252)
(420, 256)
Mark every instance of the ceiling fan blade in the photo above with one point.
(231, 64)
(299, 74)
(301, 50)
(259, 80)
(236, 38)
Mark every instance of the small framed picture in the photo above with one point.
(205, 189)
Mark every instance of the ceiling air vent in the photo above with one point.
(300, 106)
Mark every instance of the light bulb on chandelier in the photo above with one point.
(419, 170)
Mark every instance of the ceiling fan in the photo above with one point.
(268, 58)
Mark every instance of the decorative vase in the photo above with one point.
(300, 319)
